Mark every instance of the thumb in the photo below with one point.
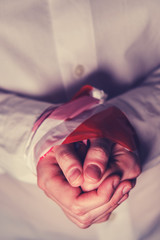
(96, 160)
(69, 163)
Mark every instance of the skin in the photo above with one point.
(88, 183)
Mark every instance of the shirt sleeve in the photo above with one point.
(141, 105)
(17, 118)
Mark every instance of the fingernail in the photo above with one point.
(126, 189)
(74, 175)
(93, 171)
(116, 183)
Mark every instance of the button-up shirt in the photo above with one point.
(48, 50)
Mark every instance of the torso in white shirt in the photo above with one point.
(57, 46)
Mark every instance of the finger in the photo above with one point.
(96, 160)
(85, 223)
(108, 196)
(120, 195)
(127, 161)
(93, 199)
(99, 214)
(83, 216)
(69, 163)
(51, 179)
(108, 208)
(106, 214)
(102, 218)
(123, 198)
(81, 224)
(89, 186)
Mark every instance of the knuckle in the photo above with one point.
(100, 153)
(40, 183)
(47, 184)
(77, 210)
(64, 156)
(135, 172)
(106, 218)
(85, 222)
(83, 226)
(113, 203)
(86, 219)
(138, 171)
(83, 218)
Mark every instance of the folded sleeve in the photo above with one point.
(17, 118)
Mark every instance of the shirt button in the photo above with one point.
(79, 71)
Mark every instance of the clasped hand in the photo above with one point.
(88, 181)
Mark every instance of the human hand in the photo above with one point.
(105, 158)
(60, 174)
(100, 159)
(82, 208)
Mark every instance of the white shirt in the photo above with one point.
(48, 49)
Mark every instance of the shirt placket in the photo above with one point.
(74, 40)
